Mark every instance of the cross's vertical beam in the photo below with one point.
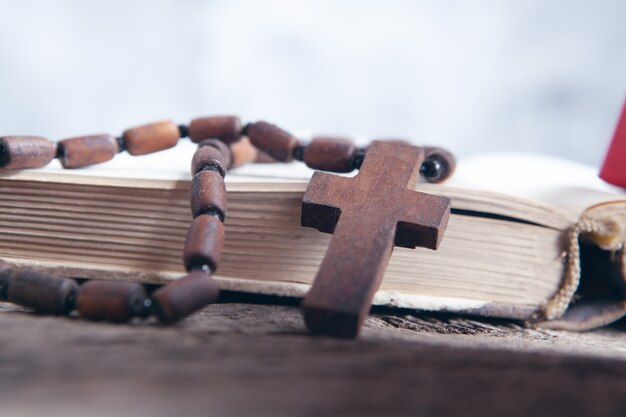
(367, 214)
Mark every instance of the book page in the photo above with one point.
(569, 185)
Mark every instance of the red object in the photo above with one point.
(614, 168)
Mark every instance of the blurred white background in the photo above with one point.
(475, 76)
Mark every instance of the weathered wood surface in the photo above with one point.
(257, 360)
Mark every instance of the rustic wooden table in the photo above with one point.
(248, 359)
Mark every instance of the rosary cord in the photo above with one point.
(223, 144)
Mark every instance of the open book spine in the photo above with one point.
(593, 290)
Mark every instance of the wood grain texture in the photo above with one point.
(23, 152)
(367, 215)
(114, 301)
(204, 242)
(184, 296)
(333, 154)
(83, 151)
(211, 158)
(152, 137)
(208, 193)
(225, 128)
(45, 293)
(220, 146)
(255, 360)
(276, 142)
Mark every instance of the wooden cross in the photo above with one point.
(367, 215)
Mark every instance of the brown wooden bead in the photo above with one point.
(208, 157)
(184, 296)
(86, 150)
(224, 128)
(115, 301)
(150, 138)
(45, 293)
(204, 243)
(21, 152)
(243, 153)
(220, 146)
(208, 194)
(330, 154)
(271, 139)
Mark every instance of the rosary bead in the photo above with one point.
(271, 139)
(243, 153)
(330, 154)
(208, 157)
(150, 138)
(115, 301)
(220, 146)
(208, 194)
(184, 296)
(20, 152)
(204, 242)
(40, 291)
(86, 150)
(225, 128)
(438, 164)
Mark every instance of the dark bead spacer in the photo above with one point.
(3, 286)
(215, 212)
(438, 165)
(245, 128)
(431, 169)
(206, 268)
(5, 270)
(184, 130)
(121, 144)
(298, 153)
(358, 158)
(60, 153)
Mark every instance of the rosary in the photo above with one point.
(368, 215)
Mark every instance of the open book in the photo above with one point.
(511, 249)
